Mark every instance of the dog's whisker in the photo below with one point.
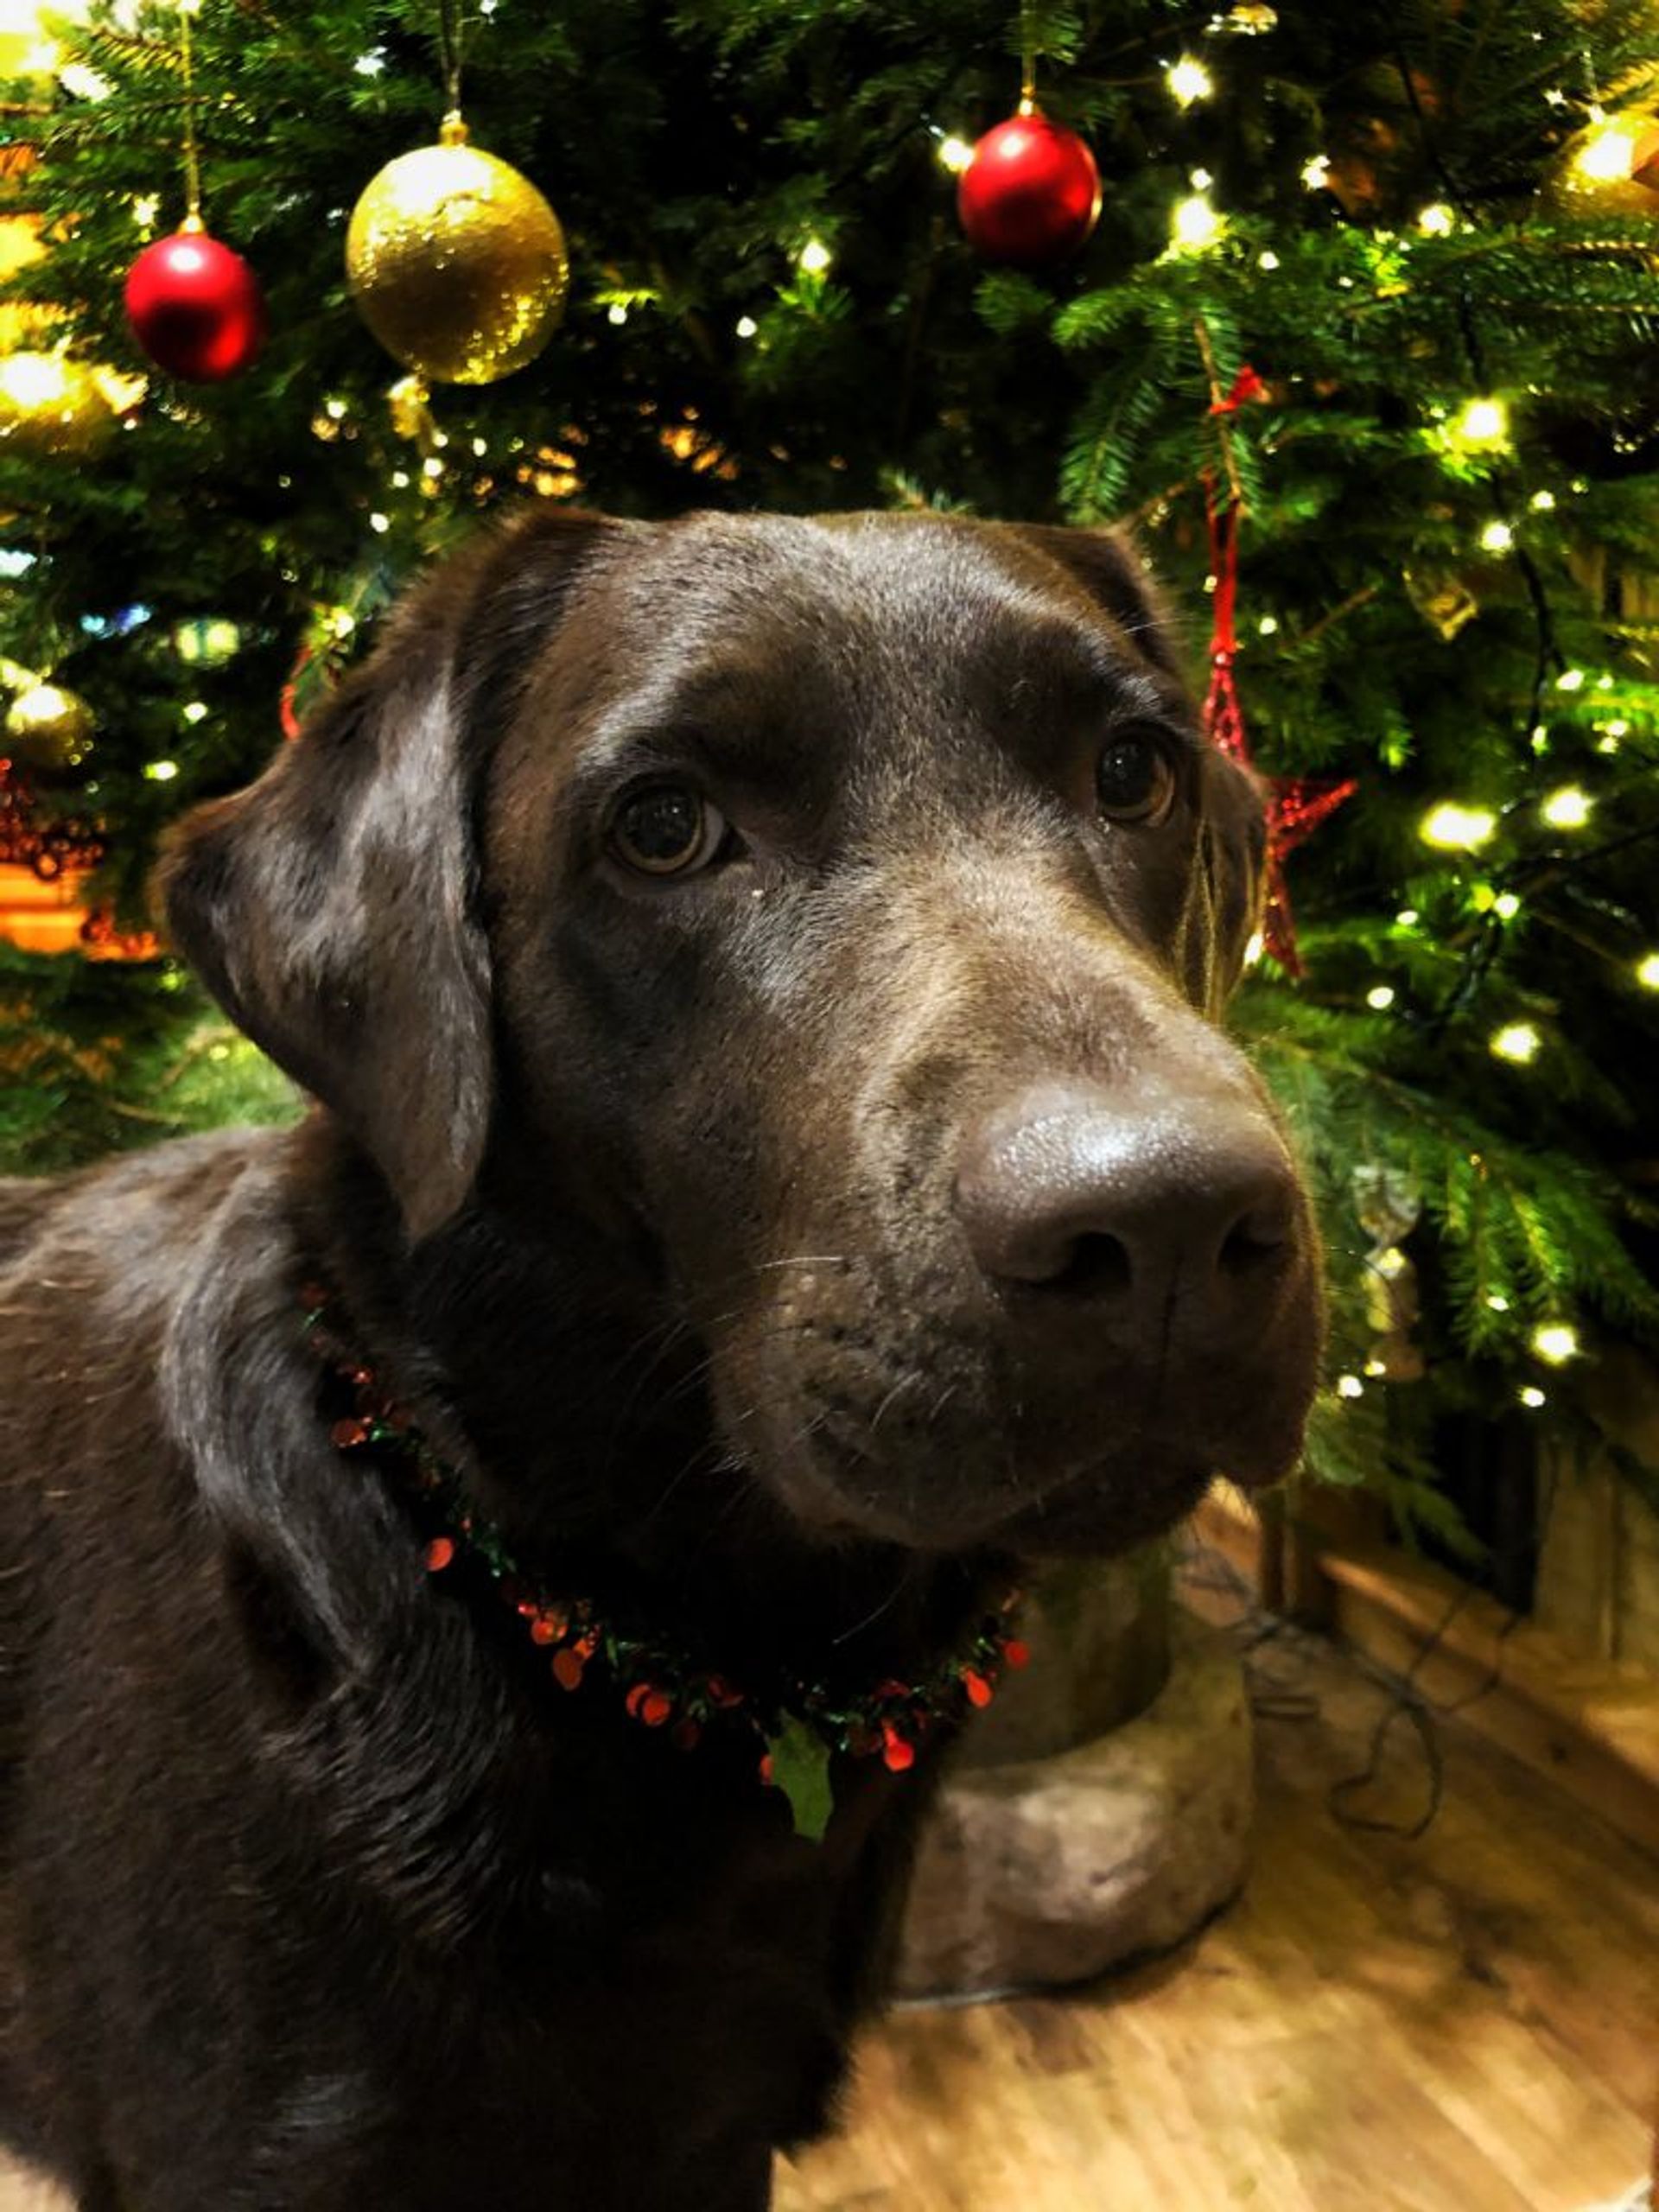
(625, 1402)
(896, 1391)
(657, 1341)
(940, 1403)
(903, 1583)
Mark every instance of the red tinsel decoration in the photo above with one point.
(290, 692)
(1296, 805)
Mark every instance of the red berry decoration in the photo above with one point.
(195, 307)
(898, 1752)
(1031, 194)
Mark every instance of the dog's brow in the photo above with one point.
(765, 753)
(1062, 654)
(1135, 695)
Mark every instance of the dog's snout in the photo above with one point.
(1123, 1200)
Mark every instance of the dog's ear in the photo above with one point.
(331, 907)
(1107, 565)
(1233, 863)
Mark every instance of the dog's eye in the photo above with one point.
(667, 829)
(1136, 777)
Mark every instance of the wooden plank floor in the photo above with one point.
(1463, 2023)
(1469, 2023)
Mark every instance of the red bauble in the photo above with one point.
(1031, 194)
(195, 307)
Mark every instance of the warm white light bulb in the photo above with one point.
(1458, 828)
(1607, 156)
(1188, 80)
(1195, 223)
(1482, 422)
(1555, 1342)
(1518, 1041)
(1569, 808)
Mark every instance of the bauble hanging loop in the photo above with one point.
(1030, 196)
(456, 262)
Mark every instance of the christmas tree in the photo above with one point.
(1371, 292)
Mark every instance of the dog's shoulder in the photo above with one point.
(130, 1221)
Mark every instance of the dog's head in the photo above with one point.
(833, 915)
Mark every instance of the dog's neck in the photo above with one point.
(576, 1405)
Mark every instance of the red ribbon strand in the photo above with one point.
(1296, 805)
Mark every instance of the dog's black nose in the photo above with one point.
(1129, 1199)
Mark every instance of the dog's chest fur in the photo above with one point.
(414, 1931)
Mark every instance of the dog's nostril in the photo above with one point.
(1098, 1266)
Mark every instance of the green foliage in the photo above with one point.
(96, 1058)
(1446, 619)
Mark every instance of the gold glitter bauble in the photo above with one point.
(456, 262)
(49, 729)
(51, 407)
(1610, 168)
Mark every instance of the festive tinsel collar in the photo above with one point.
(797, 1723)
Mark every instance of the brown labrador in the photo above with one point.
(758, 979)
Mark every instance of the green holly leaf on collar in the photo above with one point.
(800, 1768)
